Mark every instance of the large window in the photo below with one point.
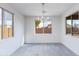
(6, 24)
(72, 24)
(43, 26)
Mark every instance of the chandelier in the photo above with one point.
(43, 17)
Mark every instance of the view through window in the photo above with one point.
(6, 24)
(43, 26)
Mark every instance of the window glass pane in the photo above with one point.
(75, 26)
(39, 26)
(43, 25)
(0, 22)
(47, 26)
(68, 26)
(7, 24)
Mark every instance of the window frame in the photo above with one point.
(2, 15)
(74, 16)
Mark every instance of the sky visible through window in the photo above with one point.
(8, 18)
(76, 23)
(69, 22)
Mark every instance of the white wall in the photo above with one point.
(8, 46)
(31, 37)
(72, 42)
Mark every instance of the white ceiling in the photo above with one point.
(35, 9)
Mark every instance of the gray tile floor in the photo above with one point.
(54, 49)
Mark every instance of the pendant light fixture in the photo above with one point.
(43, 17)
(43, 11)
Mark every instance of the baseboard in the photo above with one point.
(44, 43)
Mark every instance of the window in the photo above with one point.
(39, 26)
(6, 24)
(72, 24)
(68, 25)
(43, 26)
(75, 26)
(47, 26)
